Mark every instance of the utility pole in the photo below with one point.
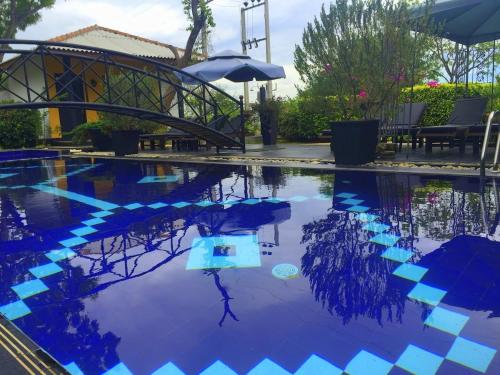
(254, 43)
(246, 91)
(204, 37)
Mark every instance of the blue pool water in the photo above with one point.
(120, 267)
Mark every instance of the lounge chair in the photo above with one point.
(408, 122)
(467, 112)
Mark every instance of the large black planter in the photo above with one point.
(100, 141)
(268, 126)
(354, 142)
(125, 142)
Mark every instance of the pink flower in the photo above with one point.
(433, 84)
(363, 94)
(328, 68)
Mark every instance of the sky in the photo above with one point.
(163, 20)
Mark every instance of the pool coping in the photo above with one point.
(423, 168)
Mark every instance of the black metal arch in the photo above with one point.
(121, 83)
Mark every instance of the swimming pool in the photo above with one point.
(123, 267)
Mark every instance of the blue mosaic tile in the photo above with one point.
(353, 202)
(247, 253)
(105, 206)
(364, 360)
(471, 354)
(168, 369)
(73, 369)
(204, 203)
(15, 187)
(318, 366)
(230, 202)
(6, 175)
(385, 239)
(446, 320)
(323, 197)
(346, 195)
(102, 214)
(83, 231)
(366, 218)
(251, 201)
(419, 361)
(15, 310)
(95, 221)
(45, 270)
(268, 367)
(73, 241)
(119, 369)
(181, 204)
(298, 198)
(29, 288)
(218, 368)
(156, 206)
(61, 254)
(410, 272)
(427, 294)
(358, 209)
(376, 227)
(274, 200)
(133, 206)
(158, 179)
(397, 254)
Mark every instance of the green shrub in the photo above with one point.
(19, 127)
(81, 134)
(440, 99)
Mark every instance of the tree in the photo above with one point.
(17, 15)
(199, 15)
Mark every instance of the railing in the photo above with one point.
(486, 141)
(56, 75)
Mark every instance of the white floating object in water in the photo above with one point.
(285, 271)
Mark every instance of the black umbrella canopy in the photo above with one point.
(466, 22)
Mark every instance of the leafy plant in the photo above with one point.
(19, 127)
(82, 133)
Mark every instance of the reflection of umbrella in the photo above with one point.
(233, 66)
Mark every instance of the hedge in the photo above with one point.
(440, 99)
(19, 127)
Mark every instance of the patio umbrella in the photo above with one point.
(233, 66)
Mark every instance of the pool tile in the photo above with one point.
(181, 204)
(95, 221)
(419, 361)
(358, 209)
(471, 354)
(364, 360)
(353, 202)
(397, 254)
(15, 187)
(45, 270)
(318, 366)
(83, 231)
(15, 310)
(60, 254)
(6, 175)
(230, 202)
(204, 203)
(218, 368)
(298, 198)
(385, 239)
(366, 218)
(274, 200)
(376, 227)
(73, 369)
(323, 197)
(251, 201)
(158, 179)
(102, 213)
(427, 294)
(346, 195)
(73, 241)
(119, 369)
(446, 320)
(168, 369)
(410, 272)
(247, 252)
(156, 206)
(133, 206)
(29, 288)
(268, 367)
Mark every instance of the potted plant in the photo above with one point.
(268, 111)
(98, 132)
(357, 52)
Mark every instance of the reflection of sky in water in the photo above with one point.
(127, 296)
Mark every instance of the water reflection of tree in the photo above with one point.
(346, 273)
